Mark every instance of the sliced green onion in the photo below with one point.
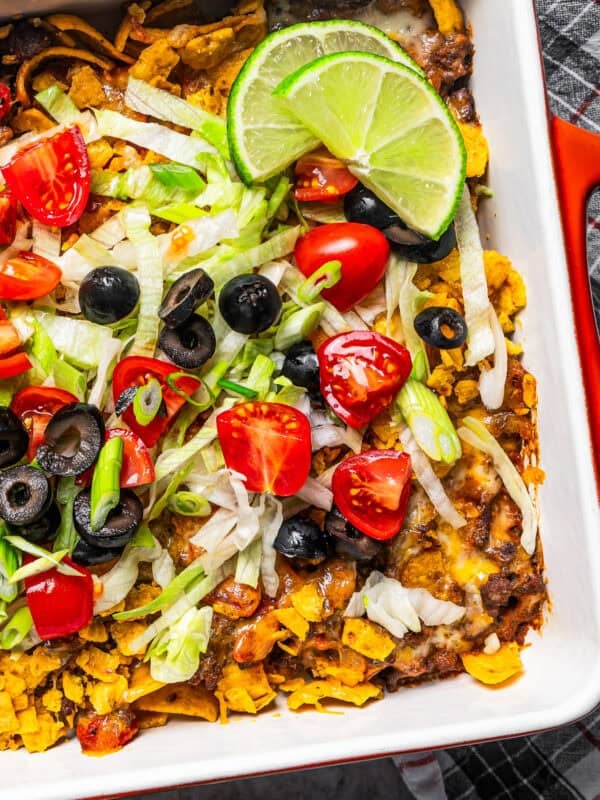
(201, 399)
(429, 422)
(323, 278)
(278, 196)
(214, 375)
(106, 482)
(3, 611)
(42, 348)
(142, 537)
(420, 366)
(10, 561)
(40, 552)
(172, 487)
(38, 566)
(189, 504)
(66, 536)
(179, 585)
(180, 176)
(16, 629)
(58, 104)
(69, 378)
(237, 388)
(298, 326)
(147, 402)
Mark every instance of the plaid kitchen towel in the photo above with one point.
(562, 764)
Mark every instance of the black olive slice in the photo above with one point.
(13, 438)
(189, 345)
(349, 541)
(428, 251)
(250, 303)
(107, 294)
(24, 495)
(300, 537)
(88, 555)
(125, 399)
(301, 366)
(40, 530)
(362, 205)
(121, 523)
(73, 440)
(184, 297)
(431, 325)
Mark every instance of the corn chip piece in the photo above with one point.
(310, 694)
(367, 638)
(179, 698)
(495, 667)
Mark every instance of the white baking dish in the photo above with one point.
(562, 675)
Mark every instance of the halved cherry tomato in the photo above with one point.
(9, 337)
(8, 216)
(14, 365)
(60, 604)
(372, 491)
(100, 734)
(35, 406)
(362, 250)
(321, 176)
(5, 100)
(268, 443)
(137, 371)
(28, 276)
(137, 468)
(361, 372)
(51, 178)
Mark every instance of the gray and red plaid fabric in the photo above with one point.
(563, 764)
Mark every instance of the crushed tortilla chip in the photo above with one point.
(350, 668)
(28, 722)
(180, 698)
(496, 667)
(48, 733)
(237, 685)
(155, 64)
(367, 638)
(94, 632)
(141, 683)
(100, 665)
(8, 719)
(52, 700)
(311, 694)
(106, 697)
(73, 687)
(308, 602)
(466, 390)
(151, 719)
(478, 151)
(125, 633)
(86, 88)
(448, 16)
(293, 621)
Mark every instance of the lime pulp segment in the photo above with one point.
(264, 138)
(390, 127)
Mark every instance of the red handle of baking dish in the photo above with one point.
(577, 168)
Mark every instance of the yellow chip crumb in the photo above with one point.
(293, 621)
(496, 667)
(312, 693)
(8, 718)
(72, 687)
(52, 700)
(367, 638)
(308, 602)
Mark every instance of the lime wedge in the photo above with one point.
(264, 138)
(390, 127)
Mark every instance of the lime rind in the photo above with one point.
(415, 162)
(252, 110)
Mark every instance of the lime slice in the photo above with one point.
(263, 138)
(390, 127)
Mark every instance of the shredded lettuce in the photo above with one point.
(314, 493)
(146, 99)
(270, 524)
(432, 485)
(120, 580)
(163, 569)
(158, 138)
(175, 653)
(66, 536)
(150, 278)
(298, 326)
(70, 378)
(492, 382)
(111, 353)
(46, 240)
(480, 340)
(398, 609)
(411, 303)
(259, 377)
(58, 104)
(140, 183)
(248, 564)
(81, 342)
(477, 435)
(10, 561)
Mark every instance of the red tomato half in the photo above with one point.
(268, 443)
(361, 372)
(60, 604)
(372, 491)
(321, 176)
(9, 337)
(5, 100)
(17, 364)
(137, 371)
(35, 406)
(28, 276)
(137, 468)
(362, 250)
(8, 217)
(51, 178)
